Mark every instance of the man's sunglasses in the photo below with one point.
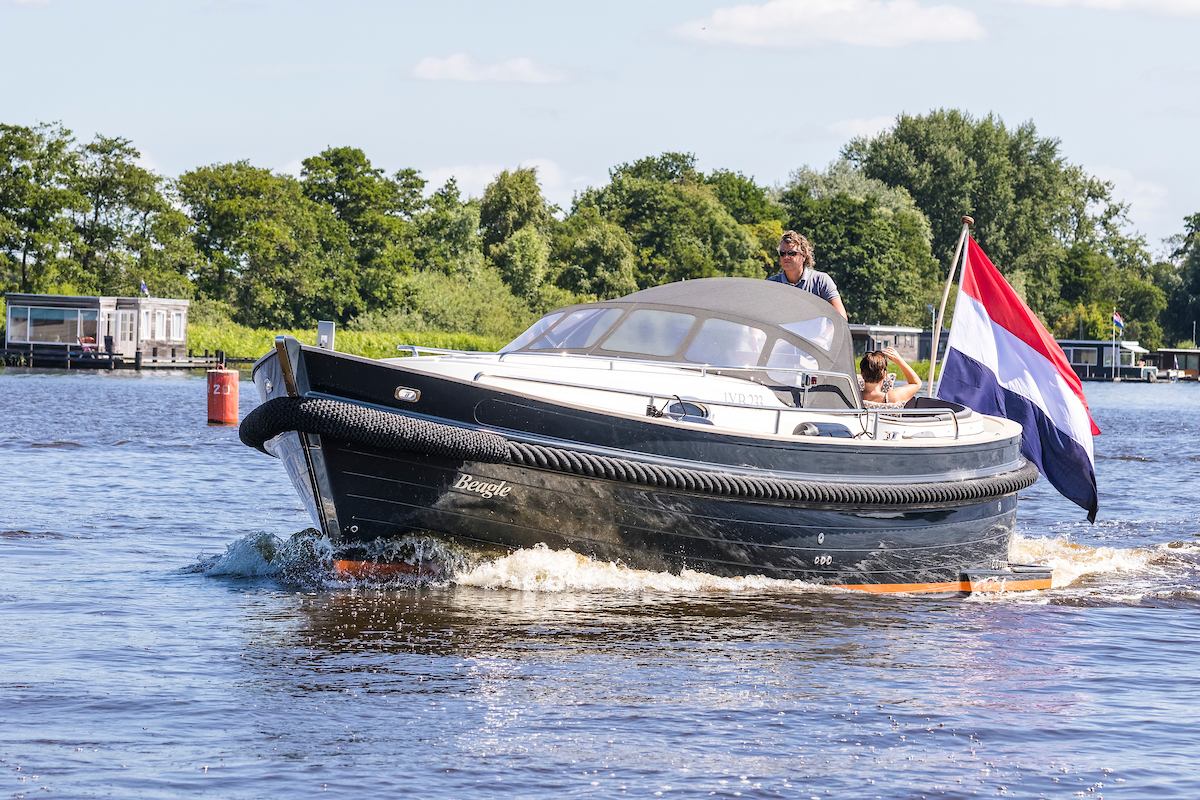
(789, 252)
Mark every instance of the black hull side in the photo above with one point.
(518, 416)
(386, 494)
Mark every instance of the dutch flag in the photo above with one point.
(1120, 323)
(1000, 360)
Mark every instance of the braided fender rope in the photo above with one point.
(395, 431)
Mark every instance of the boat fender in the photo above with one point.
(394, 430)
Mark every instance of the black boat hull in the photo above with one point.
(362, 495)
(501, 507)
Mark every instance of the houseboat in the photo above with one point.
(65, 330)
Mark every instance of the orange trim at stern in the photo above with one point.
(367, 570)
(1013, 584)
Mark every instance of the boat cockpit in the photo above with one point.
(791, 342)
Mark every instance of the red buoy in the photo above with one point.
(222, 397)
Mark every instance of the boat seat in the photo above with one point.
(938, 404)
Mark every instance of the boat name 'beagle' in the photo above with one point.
(483, 488)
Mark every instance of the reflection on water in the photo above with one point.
(165, 632)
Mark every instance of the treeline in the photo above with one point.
(347, 241)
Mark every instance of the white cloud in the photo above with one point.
(1143, 196)
(1170, 8)
(851, 128)
(461, 67)
(869, 23)
(472, 178)
(293, 168)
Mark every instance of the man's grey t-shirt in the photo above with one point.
(818, 283)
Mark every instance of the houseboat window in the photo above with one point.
(788, 356)
(819, 331)
(1126, 357)
(18, 324)
(535, 330)
(1084, 356)
(725, 343)
(88, 324)
(145, 331)
(160, 325)
(177, 326)
(579, 330)
(54, 325)
(650, 332)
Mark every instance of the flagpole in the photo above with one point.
(937, 327)
(1115, 356)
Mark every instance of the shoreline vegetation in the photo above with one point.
(240, 341)
(243, 342)
(391, 259)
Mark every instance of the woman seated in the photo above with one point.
(878, 389)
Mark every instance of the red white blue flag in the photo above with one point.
(1002, 361)
(1120, 323)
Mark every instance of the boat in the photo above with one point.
(714, 425)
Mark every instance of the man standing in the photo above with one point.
(796, 258)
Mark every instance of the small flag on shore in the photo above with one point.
(1002, 361)
(1120, 323)
(145, 291)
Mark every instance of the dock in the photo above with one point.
(88, 358)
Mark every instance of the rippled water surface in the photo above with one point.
(155, 644)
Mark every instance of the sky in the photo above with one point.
(467, 88)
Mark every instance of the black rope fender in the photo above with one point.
(390, 430)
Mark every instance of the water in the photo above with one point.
(149, 646)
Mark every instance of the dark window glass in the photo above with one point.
(18, 324)
(53, 325)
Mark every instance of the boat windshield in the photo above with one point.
(581, 329)
(650, 332)
(788, 356)
(726, 343)
(535, 330)
(818, 331)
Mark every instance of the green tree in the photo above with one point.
(511, 202)
(1182, 279)
(376, 211)
(1031, 207)
(447, 232)
(871, 238)
(36, 198)
(277, 257)
(878, 272)
(746, 201)
(594, 256)
(118, 230)
(523, 260)
(678, 227)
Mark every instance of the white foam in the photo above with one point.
(251, 556)
(540, 569)
(1071, 561)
